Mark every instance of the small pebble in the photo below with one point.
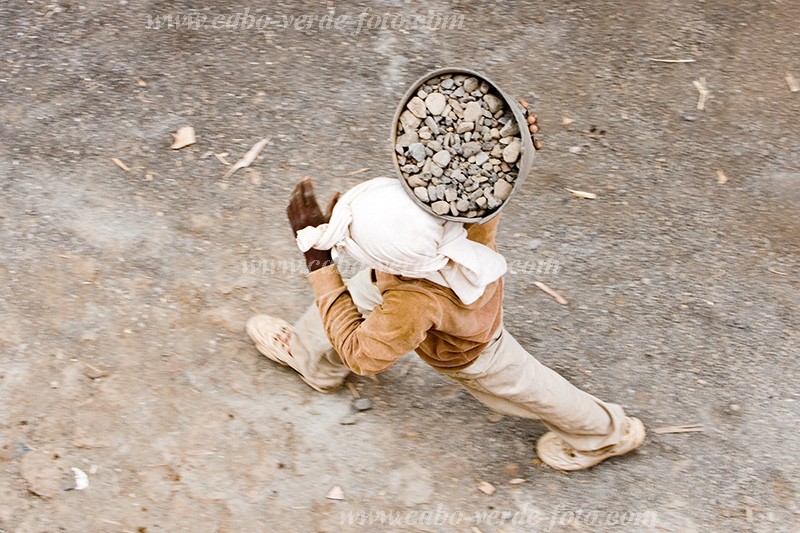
(362, 404)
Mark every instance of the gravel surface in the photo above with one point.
(450, 148)
(125, 293)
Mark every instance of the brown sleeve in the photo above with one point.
(371, 345)
(484, 233)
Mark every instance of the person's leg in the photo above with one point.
(310, 352)
(509, 380)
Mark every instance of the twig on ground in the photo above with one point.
(702, 88)
(120, 164)
(672, 60)
(359, 171)
(248, 158)
(688, 428)
(560, 299)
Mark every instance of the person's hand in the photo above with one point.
(304, 211)
(533, 123)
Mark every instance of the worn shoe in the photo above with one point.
(271, 336)
(556, 453)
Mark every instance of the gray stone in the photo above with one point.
(471, 84)
(417, 107)
(462, 205)
(421, 193)
(409, 120)
(442, 158)
(494, 103)
(481, 158)
(450, 194)
(481, 201)
(416, 180)
(432, 195)
(534, 244)
(348, 420)
(484, 88)
(473, 112)
(417, 151)
(464, 127)
(440, 208)
(436, 171)
(436, 146)
(432, 125)
(362, 404)
(511, 152)
(453, 208)
(410, 169)
(471, 148)
(407, 139)
(435, 103)
(510, 129)
(425, 134)
(492, 202)
(502, 190)
(458, 93)
(447, 83)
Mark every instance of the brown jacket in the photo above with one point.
(416, 314)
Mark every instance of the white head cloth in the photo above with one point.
(378, 225)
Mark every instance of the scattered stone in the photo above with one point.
(534, 244)
(362, 404)
(575, 150)
(348, 420)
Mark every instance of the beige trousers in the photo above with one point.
(505, 378)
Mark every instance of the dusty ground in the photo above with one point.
(123, 299)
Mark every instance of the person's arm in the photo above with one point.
(372, 344)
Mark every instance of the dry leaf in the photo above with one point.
(791, 81)
(688, 428)
(721, 177)
(517, 481)
(120, 164)
(81, 479)
(336, 493)
(486, 488)
(141, 82)
(583, 194)
(183, 137)
(560, 299)
(248, 158)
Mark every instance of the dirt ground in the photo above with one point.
(124, 293)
